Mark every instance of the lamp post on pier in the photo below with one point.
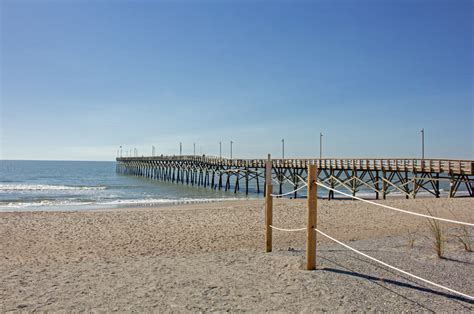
(320, 145)
(423, 143)
(282, 148)
(120, 151)
(180, 148)
(220, 150)
(231, 142)
(194, 150)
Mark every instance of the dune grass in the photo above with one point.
(438, 235)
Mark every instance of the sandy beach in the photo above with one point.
(210, 257)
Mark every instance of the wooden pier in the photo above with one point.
(381, 176)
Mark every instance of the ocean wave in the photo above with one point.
(46, 204)
(43, 203)
(168, 201)
(46, 187)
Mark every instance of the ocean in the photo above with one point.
(73, 185)
(83, 185)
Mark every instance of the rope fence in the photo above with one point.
(287, 230)
(312, 230)
(288, 193)
(378, 204)
(393, 267)
(394, 208)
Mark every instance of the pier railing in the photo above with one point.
(389, 164)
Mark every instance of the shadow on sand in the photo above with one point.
(399, 283)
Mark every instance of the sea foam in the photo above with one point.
(46, 187)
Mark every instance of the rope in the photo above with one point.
(287, 230)
(397, 209)
(276, 181)
(394, 268)
(301, 179)
(279, 195)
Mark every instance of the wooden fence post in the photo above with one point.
(312, 214)
(268, 204)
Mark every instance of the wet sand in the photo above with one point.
(210, 257)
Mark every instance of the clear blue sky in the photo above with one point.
(80, 78)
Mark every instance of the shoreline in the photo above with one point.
(180, 202)
(210, 257)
